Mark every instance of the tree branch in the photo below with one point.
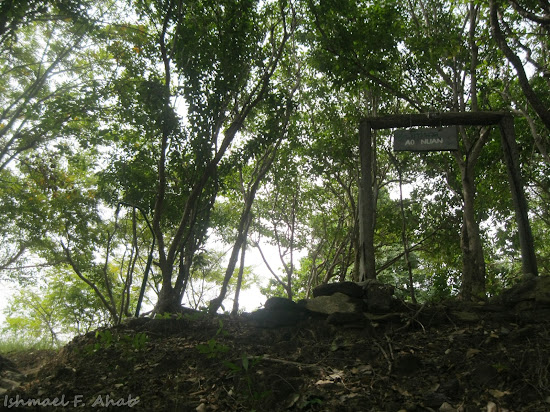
(538, 106)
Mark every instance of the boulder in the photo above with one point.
(336, 303)
(278, 312)
(350, 319)
(376, 284)
(347, 288)
(531, 293)
(276, 304)
(542, 291)
(265, 318)
(378, 296)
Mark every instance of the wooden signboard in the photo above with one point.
(425, 139)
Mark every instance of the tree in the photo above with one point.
(101, 250)
(38, 43)
(528, 17)
(278, 109)
(129, 133)
(225, 55)
(438, 67)
(207, 274)
(356, 44)
(55, 309)
(453, 56)
(160, 162)
(279, 212)
(329, 146)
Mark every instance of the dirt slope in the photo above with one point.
(433, 358)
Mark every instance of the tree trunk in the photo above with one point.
(216, 303)
(186, 260)
(168, 301)
(473, 260)
(367, 263)
(244, 223)
(511, 158)
(473, 269)
(238, 287)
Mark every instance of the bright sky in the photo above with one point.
(6, 290)
(249, 300)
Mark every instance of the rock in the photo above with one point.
(279, 312)
(350, 319)
(447, 407)
(533, 292)
(379, 296)
(347, 288)
(520, 292)
(265, 318)
(277, 303)
(336, 303)
(542, 291)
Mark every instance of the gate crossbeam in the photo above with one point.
(436, 119)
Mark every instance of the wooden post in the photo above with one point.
(511, 158)
(367, 266)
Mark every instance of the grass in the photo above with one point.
(14, 344)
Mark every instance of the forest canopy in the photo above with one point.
(149, 148)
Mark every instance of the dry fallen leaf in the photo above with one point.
(498, 394)
(335, 377)
(447, 407)
(401, 391)
(493, 407)
(292, 400)
(366, 369)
